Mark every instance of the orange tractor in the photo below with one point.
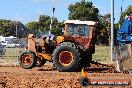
(69, 52)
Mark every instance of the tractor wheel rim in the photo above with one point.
(26, 59)
(66, 58)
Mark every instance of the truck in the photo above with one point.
(124, 34)
(123, 46)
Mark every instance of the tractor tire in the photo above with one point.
(66, 57)
(27, 60)
(40, 62)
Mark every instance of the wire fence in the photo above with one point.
(9, 54)
(10, 50)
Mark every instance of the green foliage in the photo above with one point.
(104, 29)
(83, 11)
(4, 27)
(32, 25)
(125, 13)
(8, 28)
(105, 20)
(44, 25)
(116, 26)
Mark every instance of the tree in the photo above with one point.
(125, 13)
(83, 11)
(105, 20)
(32, 25)
(59, 28)
(8, 28)
(103, 28)
(116, 26)
(4, 27)
(43, 25)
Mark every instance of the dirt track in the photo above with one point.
(47, 77)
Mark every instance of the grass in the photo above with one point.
(11, 53)
(10, 58)
(102, 53)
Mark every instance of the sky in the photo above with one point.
(29, 10)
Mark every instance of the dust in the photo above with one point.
(123, 57)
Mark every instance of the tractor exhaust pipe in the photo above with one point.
(51, 24)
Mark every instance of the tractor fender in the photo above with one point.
(59, 39)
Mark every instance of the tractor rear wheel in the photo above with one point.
(27, 59)
(66, 57)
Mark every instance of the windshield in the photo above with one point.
(81, 30)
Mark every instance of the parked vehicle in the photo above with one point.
(9, 44)
(7, 38)
(124, 34)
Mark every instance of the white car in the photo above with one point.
(3, 43)
(8, 44)
(12, 45)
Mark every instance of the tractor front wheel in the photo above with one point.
(27, 60)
